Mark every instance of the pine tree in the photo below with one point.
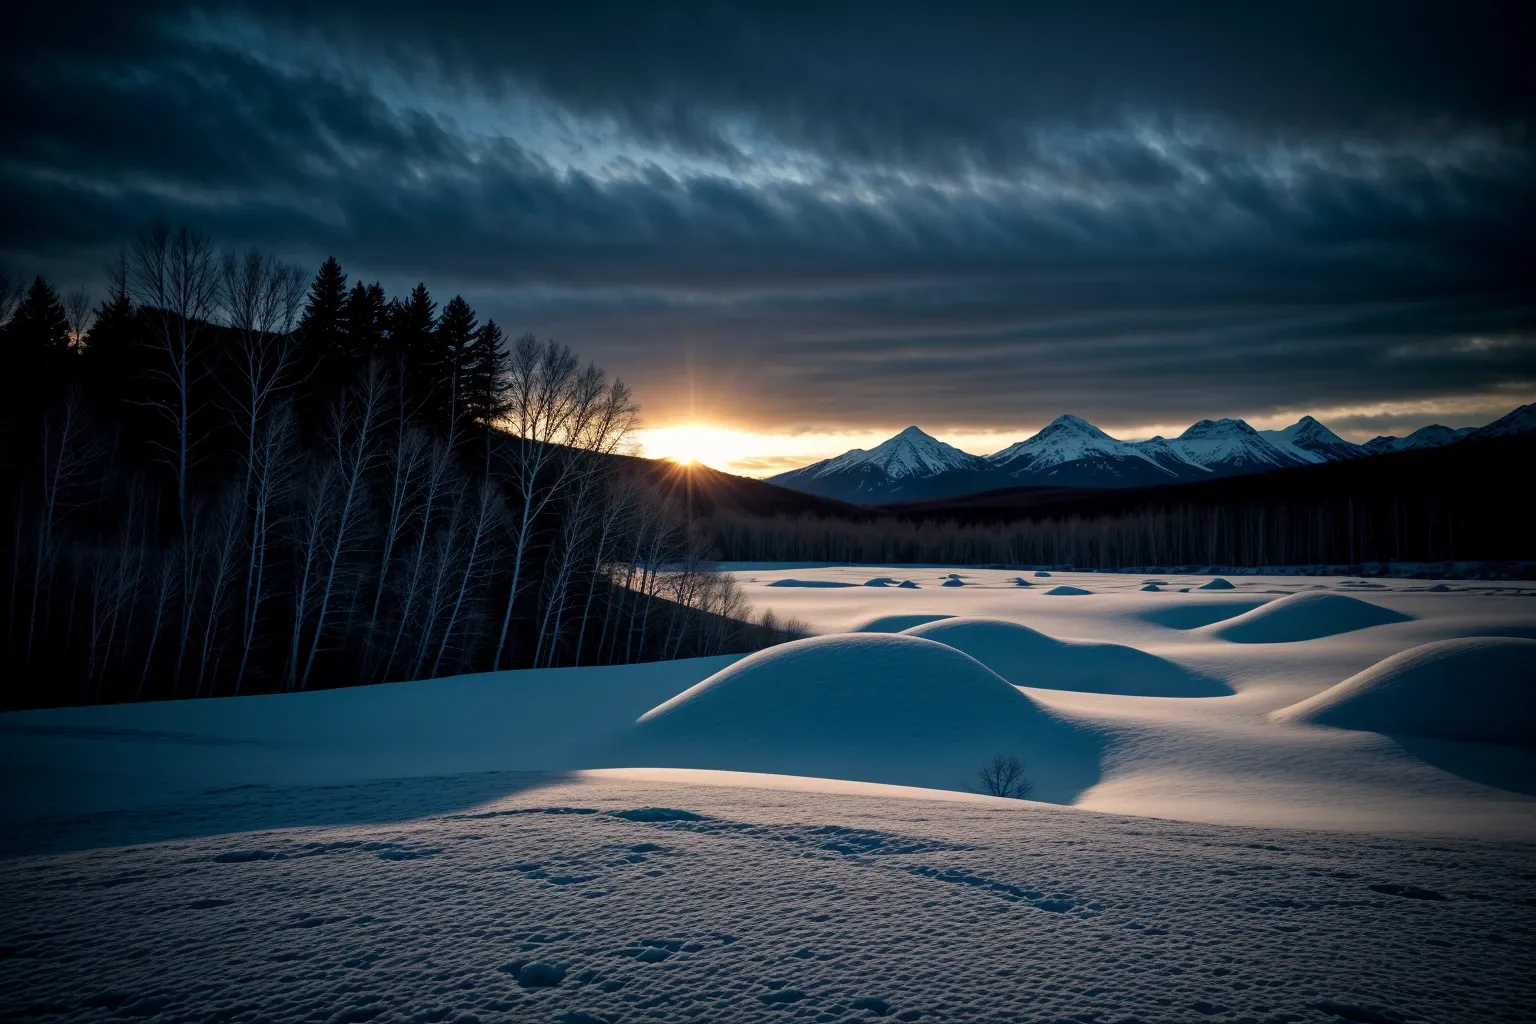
(111, 363)
(454, 345)
(412, 326)
(365, 320)
(39, 358)
(485, 387)
(322, 357)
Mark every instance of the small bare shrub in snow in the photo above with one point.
(1004, 776)
(780, 630)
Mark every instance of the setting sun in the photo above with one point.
(695, 444)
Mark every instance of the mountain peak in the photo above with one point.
(1224, 427)
(911, 453)
(1310, 441)
(1067, 421)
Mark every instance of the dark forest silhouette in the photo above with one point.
(226, 478)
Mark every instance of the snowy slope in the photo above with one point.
(1310, 441)
(1519, 422)
(891, 470)
(374, 853)
(1231, 446)
(910, 453)
(1432, 436)
(1070, 451)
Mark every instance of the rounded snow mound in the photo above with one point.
(812, 584)
(895, 623)
(953, 583)
(907, 585)
(1028, 657)
(1305, 616)
(1152, 588)
(870, 707)
(1203, 613)
(1216, 584)
(1472, 688)
(1042, 574)
(1066, 591)
(880, 581)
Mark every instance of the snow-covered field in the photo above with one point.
(1294, 799)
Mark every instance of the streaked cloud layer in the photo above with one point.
(842, 219)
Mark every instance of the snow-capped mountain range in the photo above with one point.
(1071, 452)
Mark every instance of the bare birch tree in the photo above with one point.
(438, 482)
(541, 402)
(353, 445)
(67, 448)
(269, 483)
(175, 280)
(488, 517)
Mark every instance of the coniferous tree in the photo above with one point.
(485, 383)
(364, 320)
(110, 362)
(454, 348)
(39, 358)
(412, 326)
(322, 341)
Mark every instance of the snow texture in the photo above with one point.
(576, 901)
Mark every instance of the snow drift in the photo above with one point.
(1198, 613)
(1067, 591)
(1474, 688)
(867, 707)
(1028, 657)
(1304, 616)
(896, 623)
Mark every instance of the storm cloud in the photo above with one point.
(843, 216)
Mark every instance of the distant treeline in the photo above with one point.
(224, 477)
(1464, 502)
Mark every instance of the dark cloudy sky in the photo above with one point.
(820, 217)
